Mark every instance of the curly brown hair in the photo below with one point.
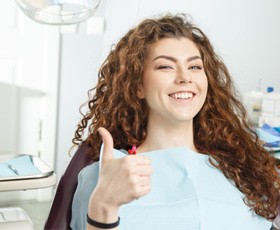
(221, 129)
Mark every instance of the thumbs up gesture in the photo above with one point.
(120, 180)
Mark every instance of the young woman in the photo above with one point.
(178, 150)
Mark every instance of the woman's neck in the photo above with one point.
(160, 136)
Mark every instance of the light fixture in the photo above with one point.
(58, 12)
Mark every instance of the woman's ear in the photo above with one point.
(140, 92)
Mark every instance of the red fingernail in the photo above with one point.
(132, 151)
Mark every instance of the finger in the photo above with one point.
(144, 170)
(141, 160)
(108, 145)
(144, 190)
(144, 181)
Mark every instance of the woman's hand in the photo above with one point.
(120, 181)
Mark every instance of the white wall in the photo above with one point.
(245, 33)
(80, 60)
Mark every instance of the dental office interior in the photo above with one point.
(46, 71)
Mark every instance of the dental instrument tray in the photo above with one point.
(24, 167)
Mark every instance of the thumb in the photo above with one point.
(108, 145)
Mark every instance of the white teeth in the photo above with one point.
(182, 95)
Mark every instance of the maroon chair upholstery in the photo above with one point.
(60, 212)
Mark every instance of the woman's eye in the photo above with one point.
(165, 67)
(195, 67)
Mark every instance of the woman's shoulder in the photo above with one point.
(91, 171)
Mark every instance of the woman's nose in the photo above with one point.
(183, 77)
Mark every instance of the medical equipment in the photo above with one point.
(24, 167)
(58, 12)
(253, 103)
(270, 108)
(270, 136)
(271, 104)
(22, 173)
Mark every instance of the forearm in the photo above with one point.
(101, 212)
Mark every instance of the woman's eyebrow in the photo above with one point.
(193, 58)
(166, 57)
(174, 59)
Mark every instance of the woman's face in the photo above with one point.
(174, 81)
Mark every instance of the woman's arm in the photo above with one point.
(101, 212)
(120, 181)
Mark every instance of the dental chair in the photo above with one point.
(12, 218)
(60, 213)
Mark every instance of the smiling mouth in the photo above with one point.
(185, 95)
